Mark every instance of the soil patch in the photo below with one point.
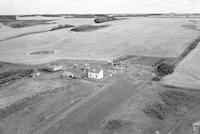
(88, 28)
(61, 27)
(190, 26)
(42, 52)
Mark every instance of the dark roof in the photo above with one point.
(95, 70)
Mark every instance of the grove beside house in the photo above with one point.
(95, 73)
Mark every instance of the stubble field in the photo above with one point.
(158, 37)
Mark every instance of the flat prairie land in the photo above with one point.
(27, 104)
(158, 37)
(135, 102)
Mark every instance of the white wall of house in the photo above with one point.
(95, 75)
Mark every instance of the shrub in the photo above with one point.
(156, 79)
(165, 69)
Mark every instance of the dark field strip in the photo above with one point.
(24, 35)
(192, 46)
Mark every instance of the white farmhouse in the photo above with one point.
(196, 127)
(95, 73)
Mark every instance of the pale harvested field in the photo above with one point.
(7, 32)
(136, 36)
(187, 73)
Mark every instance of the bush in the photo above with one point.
(156, 79)
(165, 69)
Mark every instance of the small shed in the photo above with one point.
(66, 74)
(35, 74)
(95, 73)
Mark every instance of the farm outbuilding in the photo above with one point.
(35, 74)
(196, 127)
(95, 73)
(66, 74)
(54, 68)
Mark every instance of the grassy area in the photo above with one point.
(171, 102)
(5, 112)
(24, 23)
(11, 76)
(88, 28)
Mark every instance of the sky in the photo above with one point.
(98, 6)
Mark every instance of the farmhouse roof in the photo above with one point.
(197, 123)
(95, 70)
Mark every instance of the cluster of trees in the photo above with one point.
(165, 69)
(104, 18)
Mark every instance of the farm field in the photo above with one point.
(187, 73)
(147, 113)
(28, 103)
(152, 109)
(136, 36)
(45, 64)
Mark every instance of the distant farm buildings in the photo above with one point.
(196, 127)
(103, 18)
(95, 73)
(53, 68)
